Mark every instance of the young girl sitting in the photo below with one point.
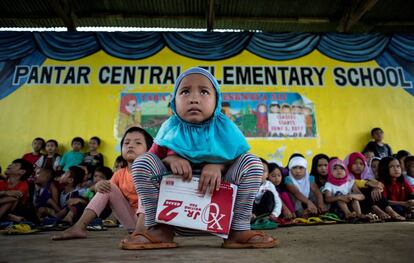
(320, 169)
(267, 200)
(341, 191)
(301, 185)
(399, 193)
(199, 134)
(119, 192)
(275, 176)
(370, 188)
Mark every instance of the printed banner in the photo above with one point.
(266, 115)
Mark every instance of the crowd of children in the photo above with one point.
(76, 188)
(46, 188)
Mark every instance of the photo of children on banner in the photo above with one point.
(198, 135)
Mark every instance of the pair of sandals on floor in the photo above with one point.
(247, 239)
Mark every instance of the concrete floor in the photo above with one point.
(384, 242)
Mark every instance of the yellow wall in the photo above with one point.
(344, 116)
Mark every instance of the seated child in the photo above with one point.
(101, 173)
(399, 193)
(14, 191)
(401, 156)
(71, 201)
(341, 191)
(301, 185)
(267, 199)
(319, 169)
(198, 134)
(93, 158)
(378, 146)
(119, 192)
(409, 168)
(275, 176)
(46, 198)
(38, 145)
(52, 159)
(370, 188)
(119, 163)
(74, 157)
(373, 167)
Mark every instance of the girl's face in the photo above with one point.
(93, 145)
(358, 166)
(338, 172)
(195, 100)
(275, 177)
(262, 108)
(298, 172)
(37, 145)
(50, 148)
(134, 145)
(394, 169)
(98, 176)
(374, 167)
(322, 167)
(131, 106)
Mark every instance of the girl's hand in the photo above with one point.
(376, 194)
(345, 198)
(312, 208)
(103, 187)
(14, 193)
(210, 176)
(410, 203)
(288, 214)
(179, 166)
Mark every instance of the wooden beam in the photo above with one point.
(64, 9)
(354, 12)
(211, 15)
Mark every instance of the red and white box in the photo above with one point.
(180, 204)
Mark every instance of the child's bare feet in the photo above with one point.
(394, 215)
(74, 232)
(350, 215)
(381, 214)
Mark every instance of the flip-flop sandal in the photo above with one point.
(247, 236)
(109, 223)
(263, 224)
(320, 221)
(20, 229)
(300, 221)
(153, 243)
(283, 222)
(332, 217)
(96, 228)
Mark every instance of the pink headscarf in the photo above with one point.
(350, 160)
(332, 179)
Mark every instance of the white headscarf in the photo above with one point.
(302, 184)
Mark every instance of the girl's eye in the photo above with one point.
(184, 92)
(205, 92)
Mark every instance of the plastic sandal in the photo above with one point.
(246, 244)
(300, 221)
(20, 229)
(263, 224)
(332, 217)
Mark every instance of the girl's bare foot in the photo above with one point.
(394, 215)
(74, 232)
(350, 215)
(381, 214)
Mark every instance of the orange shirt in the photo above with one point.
(21, 186)
(123, 179)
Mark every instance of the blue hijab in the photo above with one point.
(217, 140)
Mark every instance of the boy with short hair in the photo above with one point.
(377, 146)
(409, 168)
(14, 191)
(74, 157)
(38, 144)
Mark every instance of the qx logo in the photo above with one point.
(211, 215)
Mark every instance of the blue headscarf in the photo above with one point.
(217, 140)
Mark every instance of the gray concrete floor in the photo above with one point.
(380, 242)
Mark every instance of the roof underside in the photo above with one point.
(353, 16)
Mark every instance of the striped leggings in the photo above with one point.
(245, 172)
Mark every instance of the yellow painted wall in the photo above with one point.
(344, 116)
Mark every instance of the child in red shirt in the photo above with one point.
(397, 190)
(14, 192)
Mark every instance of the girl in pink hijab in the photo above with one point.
(342, 191)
